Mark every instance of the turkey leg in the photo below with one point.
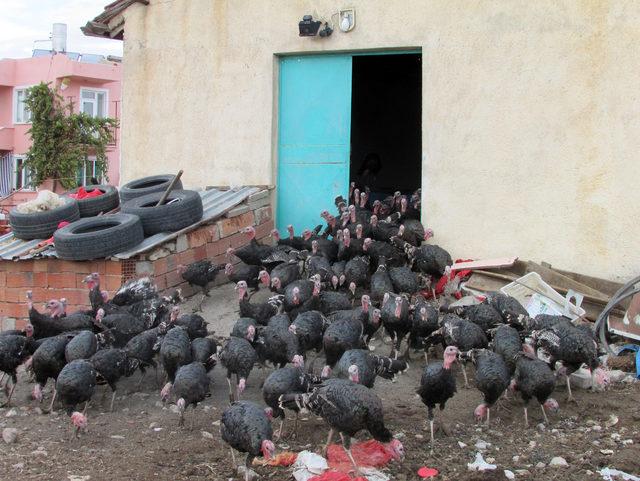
(570, 398)
(113, 397)
(526, 418)
(430, 417)
(13, 387)
(346, 444)
(53, 398)
(230, 389)
(544, 413)
(464, 374)
(326, 446)
(278, 433)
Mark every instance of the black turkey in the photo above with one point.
(362, 367)
(201, 274)
(47, 362)
(110, 366)
(348, 408)
(246, 427)
(205, 351)
(82, 346)
(286, 380)
(492, 379)
(175, 351)
(396, 320)
(438, 385)
(14, 350)
(195, 324)
(261, 312)
(75, 385)
(190, 387)
(238, 357)
(243, 272)
(533, 378)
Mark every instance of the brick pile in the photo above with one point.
(51, 278)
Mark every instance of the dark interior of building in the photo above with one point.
(386, 110)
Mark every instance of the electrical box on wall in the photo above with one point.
(347, 19)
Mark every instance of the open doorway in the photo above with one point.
(386, 120)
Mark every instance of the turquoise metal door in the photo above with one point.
(314, 137)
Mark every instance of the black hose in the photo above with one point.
(623, 293)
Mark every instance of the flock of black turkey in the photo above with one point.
(368, 273)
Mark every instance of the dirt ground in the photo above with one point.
(141, 439)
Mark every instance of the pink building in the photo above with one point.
(92, 82)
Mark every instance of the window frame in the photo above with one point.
(24, 173)
(86, 180)
(15, 105)
(95, 102)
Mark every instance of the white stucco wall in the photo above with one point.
(531, 132)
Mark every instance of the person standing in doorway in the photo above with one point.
(367, 175)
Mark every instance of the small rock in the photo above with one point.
(616, 437)
(612, 421)
(153, 425)
(541, 427)
(554, 431)
(523, 472)
(595, 443)
(174, 409)
(490, 460)
(37, 410)
(515, 459)
(157, 429)
(158, 404)
(11, 413)
(116, 436)
(207, 408)
(532, 444)
(419, 436)
(509, 474)
(482, 445)
(558, 462)
(216, 423)
(597, 428)
(606, 452)
(206, 434)
(40, 452)
(18, 466)
(541, 465)
(462, 445)
(627, 442)
(9, 435)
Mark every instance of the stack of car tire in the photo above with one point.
(91, 235)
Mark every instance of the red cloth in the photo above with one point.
(83, 194)
(443, 280)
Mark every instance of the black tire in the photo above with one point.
(98, 237)
(42, 225)
(185, 210)
(92, 206)
(147, 185)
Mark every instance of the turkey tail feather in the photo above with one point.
(388, 368)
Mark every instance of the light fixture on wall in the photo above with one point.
(347, 19)
(310, 28)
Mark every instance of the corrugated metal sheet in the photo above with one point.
(215, 204)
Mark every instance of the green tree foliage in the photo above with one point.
(62, 140)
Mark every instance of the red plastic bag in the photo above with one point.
(369, 453)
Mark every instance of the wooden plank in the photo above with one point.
(485, 264)
(558, 280)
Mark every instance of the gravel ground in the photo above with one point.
(141, 439)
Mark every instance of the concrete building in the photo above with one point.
(91, 82)
(518, 120)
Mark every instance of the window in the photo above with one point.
(89, 170)
(21, 177)
(93, 102)
(21, 114)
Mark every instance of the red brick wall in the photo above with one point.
(50, 279)
(55, 278)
